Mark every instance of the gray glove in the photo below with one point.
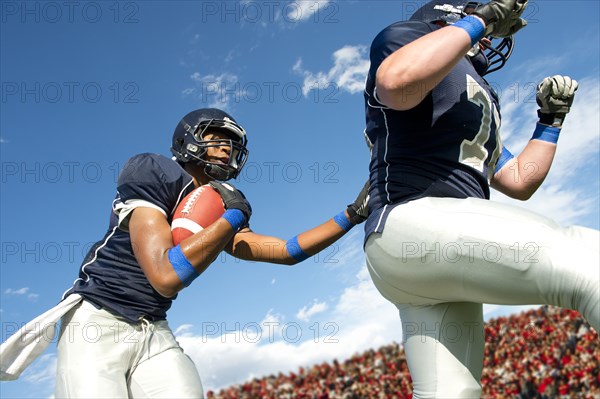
(555, 96)
(502, 17)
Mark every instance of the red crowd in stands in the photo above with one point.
(543, 353)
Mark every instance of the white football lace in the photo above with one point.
(187, 208)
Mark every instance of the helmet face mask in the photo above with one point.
(190, 143)
(450, 11)
(498, 55)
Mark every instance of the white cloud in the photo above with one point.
(42, 371)
(184, 330)
(285, 15)
(19, 291)
(539, 67)
(580, 138)
(565, 206)
(271, 327)
(188, 91)
(352, 254)
(307, 312)
(218, 91)
(33, 297)
(297, 11)
(226, 360)
(350, 67)
(231, 55)
(368, 319)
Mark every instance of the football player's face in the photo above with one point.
(217, 153)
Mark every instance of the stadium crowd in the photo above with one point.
(542, 353)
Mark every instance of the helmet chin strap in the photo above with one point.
(217, 172)
(480, 63)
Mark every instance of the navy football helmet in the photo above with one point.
(450, 11)
(189, 144)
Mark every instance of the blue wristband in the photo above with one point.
(235, 217)
(293, 248)
(546, 133)
(473, 26)
(343, 221)
(184, 269)
(505, 156)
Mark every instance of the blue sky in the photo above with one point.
(85, 85)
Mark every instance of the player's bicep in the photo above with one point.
(151, 238)
(396, 95)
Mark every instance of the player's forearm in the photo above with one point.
(318, 238)
(534, 164)
(405, 78)
(202, 248)
(250, 246)
(170, 269)
(523, 175)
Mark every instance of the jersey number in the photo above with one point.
(473, 152)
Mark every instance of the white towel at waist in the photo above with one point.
(24, 346)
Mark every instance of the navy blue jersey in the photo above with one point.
(446, 146)
(110, 275)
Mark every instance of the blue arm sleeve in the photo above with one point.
(505, 156)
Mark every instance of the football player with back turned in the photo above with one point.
(435, 246)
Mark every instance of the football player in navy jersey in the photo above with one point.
(435, 246)
(116, 342)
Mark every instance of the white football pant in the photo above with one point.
(101, 355)
(439, 259)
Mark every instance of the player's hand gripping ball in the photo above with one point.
(198, 210)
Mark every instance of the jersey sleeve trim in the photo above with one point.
(123, 211)
(379, 103)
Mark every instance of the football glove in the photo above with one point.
(359, 209)
(233, 198)
(555, 96)
(502, 17)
